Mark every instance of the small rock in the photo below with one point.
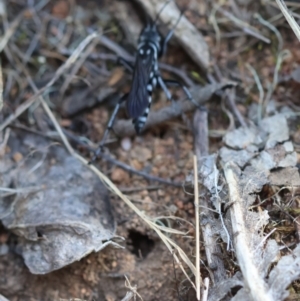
(126, 144)
(17, 157)
(144, 193)
(288, 146)
(136, 164)
(160, 192)
(147, 199)
(61, 9)
(141, 154)
(65, 122)
(120, 176)
(4, 249)
(116, 76)
(179, 204)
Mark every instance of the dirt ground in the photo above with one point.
(42, 36)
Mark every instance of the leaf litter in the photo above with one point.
(79, 217)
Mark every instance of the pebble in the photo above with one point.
(17, 157)
(119, 175)
(126, 144)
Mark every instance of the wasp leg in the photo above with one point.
(162, 84)
(174, 83)
(169, 35)
(128, 65)
(108, 128)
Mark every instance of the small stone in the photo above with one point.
(126, 144)
(116, 76)
(4, 249)
(136, 164)
(110, 296)
(147, 199)
(179, 204)
(120, 176)
(160, 192)
(17, 157)
(191, 211)
(61, 9)
(3, 238)
(65, 122)
(144, 193)
(142, 154)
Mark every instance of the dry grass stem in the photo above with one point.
(4, 138)
(260, 89)
(197, 226)
(133, 290)
(11, 30)
(290, 19)
(271, 27)
(230, 95)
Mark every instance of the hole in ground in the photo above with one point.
(139, 244)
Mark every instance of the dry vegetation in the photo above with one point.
(134, 224)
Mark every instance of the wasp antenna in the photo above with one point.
(160, 11)
(180, 16)
(148, 20)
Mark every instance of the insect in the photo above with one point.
(146, 77)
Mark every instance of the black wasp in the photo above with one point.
(146, 76)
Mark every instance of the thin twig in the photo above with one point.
(128, 297)
(260, 89)
(273, 85)
(271, 27)
(11, 30)
(133, 289)
(230, 95)
(136, 189)
(3, 143)
(292, 22)
(197, 226)
(229, 242)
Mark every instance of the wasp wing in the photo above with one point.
(138, 97)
